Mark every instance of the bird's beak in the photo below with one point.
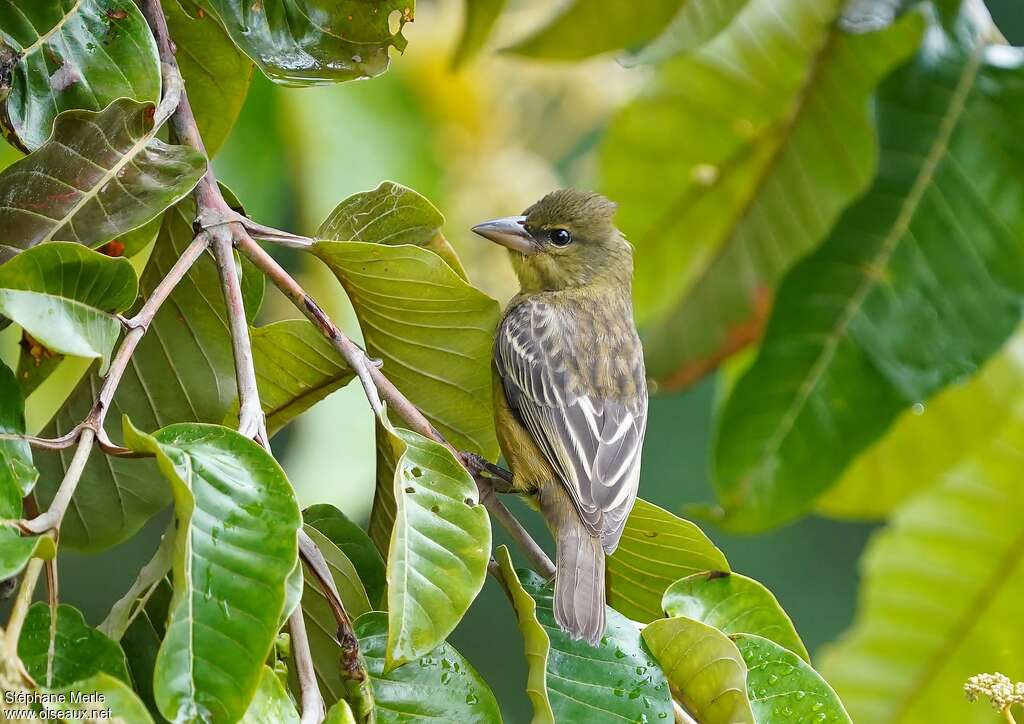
(509, 232)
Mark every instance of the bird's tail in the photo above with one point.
(579, 583)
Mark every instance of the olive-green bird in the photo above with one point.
(570, 389)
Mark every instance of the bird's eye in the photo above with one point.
(559, 237)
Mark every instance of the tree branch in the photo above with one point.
(312, 703)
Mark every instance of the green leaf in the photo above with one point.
(717, 223)
(216, 73)
(573, 681)
(927, 442)
(100, 175)
(79, 651)
(889, 310)
(182, 370)
(590, 27)
(141, 642)
(296, 367)
(17, 473)
(57, 66)
(480, 17)
(733, 604)
(271, 704)
(354, 543)
(783, 688)
(704, 668)
(118, 698)
(656, 549)
(319, 41)
(440, 686)
(391, 214)
(695, 23)
(321, 625)
(940, 595)
(237, 544)
(440, 546)
(340, 713)
(64, 295)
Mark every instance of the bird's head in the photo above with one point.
(565, 240)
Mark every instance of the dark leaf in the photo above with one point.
(79, 651)
(354, 543)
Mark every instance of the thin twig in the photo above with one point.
(313, 711)
(20, 607)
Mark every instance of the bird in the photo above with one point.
(570, 389)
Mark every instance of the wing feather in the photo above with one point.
(591, 436)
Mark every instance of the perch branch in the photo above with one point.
(312, 703)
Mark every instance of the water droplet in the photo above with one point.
(762, 693)
(662, 715)
(650, 534)
(786, 711)
(816, 706)
(446, 664)
(642, 719)
(472, 699)
(618, 692)
(446, 676)
(917, 408)
(820, 716)
(620, 654)
(800, 695)
(773, 679)
(641, 670)
(704, 174)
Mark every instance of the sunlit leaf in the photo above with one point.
(315, 41)
(100, 175)
(182, 370)
(917, 285)
(704, 668)
(340, 713)
(716, 222)
(119, 702)
(480, 17)
(440, 545)
(572, 681)
(79, 651)
(733, 604)
(216, 73)
(928, 441)
(695, 23)
(236, 546)
(296, 367)
(354, 543)
(271, 704)
(656, 549)
(940, 596)
(783, 687)
(64, 295)
(73, 55)
(440, 686)
(590, 27)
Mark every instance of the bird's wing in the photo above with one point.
(592, 440)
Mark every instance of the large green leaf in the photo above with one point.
(236, 546)
(783, 687)
(695, 23)
(296, 367)
(927, 441)
(271, 704)
(440, 546)
(783, 147)
(303, 42)
(321, 624)
(79, 651)
(704, 667)
(79, 54)
(940, 596)
(100, 175)
(733, 604)
(440, 686)
(590, 27)
(182, 370)
(64, 295)
(918, 284)
(354, 543)
(480, 17)
(572, 681)
(216, 73)
(119, 703)
(656, 549)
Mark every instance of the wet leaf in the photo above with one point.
(101, 175)
(79, 651)
(656, 549)
(118, 698)
(236, 546)
(572, 681)
(64, 295)
(71, 56)
(733, 604)
(315, 41)
(889, 310)
(271, 704)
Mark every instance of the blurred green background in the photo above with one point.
(482, 142)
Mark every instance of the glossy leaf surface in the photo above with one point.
(79, 651)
